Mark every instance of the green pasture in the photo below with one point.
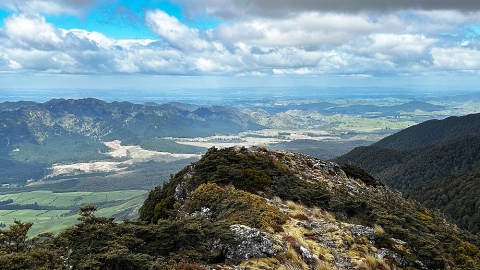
(124, 203)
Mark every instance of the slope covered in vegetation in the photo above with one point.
(456, 196)
(432, 132)
(405, 169)
(256, 209)
(314, 184)
(434, 162)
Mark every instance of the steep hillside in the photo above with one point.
(432, 132)
(256, 209)
(456, 196)
(422, 153)
(425, 159)
(405, 169)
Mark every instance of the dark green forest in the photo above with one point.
(405, 169)
(432, 132)
(456, 196)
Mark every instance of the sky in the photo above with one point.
(235, 43)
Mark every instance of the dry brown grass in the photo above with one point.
(321, 265)
(379, 230)
(371, 261)
(277, 200)
(295, 206)
(299, 214)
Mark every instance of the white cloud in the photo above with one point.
(456, 59)
(31, 31)
(12, 64)
(307, 29)
(175, 33)
(304, 43)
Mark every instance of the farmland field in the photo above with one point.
(64, 207)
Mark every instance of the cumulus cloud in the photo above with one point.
(306, 29)
(462, 59)
(310, 41)
(175, 33)
(31, 32)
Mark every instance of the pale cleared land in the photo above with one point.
(134, 154)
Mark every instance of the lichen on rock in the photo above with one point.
(249, 243)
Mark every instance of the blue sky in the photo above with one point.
(223, 43)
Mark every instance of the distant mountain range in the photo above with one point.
(33, 136)
(36, 135)
(435, 162)
(387, 110)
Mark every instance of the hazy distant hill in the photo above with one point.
(386, 110)
(12, 106)
(36, 135)
(331, 108)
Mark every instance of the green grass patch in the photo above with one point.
(123, 203)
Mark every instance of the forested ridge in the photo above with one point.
(432, 132)
(405, 169)
(435, 162)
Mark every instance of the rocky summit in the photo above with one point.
(292, 211)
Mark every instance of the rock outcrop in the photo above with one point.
(249, 243)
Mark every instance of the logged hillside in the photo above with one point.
(458, 197)
(35, 135)
(255, 209)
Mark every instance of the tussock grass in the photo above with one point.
(378, 230)
(324, 266)
(299, 214)
(277, 200)
(295, 206)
